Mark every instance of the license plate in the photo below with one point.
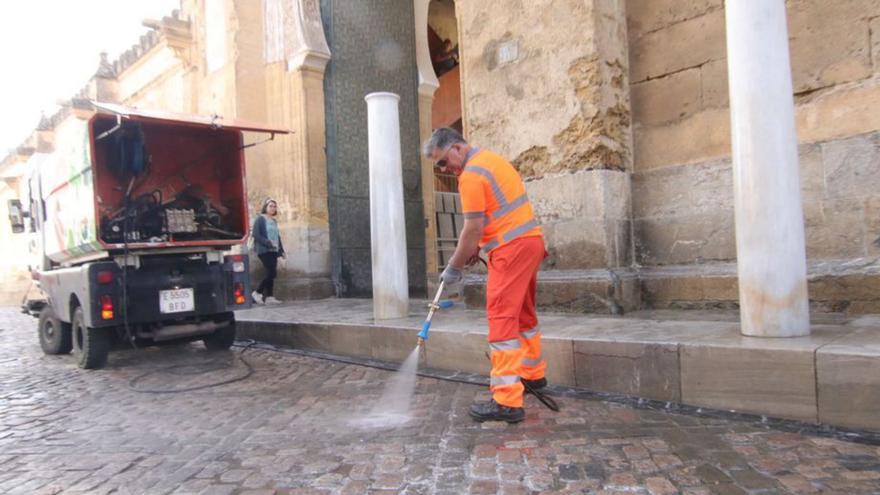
(176, 300)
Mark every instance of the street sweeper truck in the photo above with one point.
(133, 219)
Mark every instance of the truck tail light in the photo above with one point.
(238, 292)
(237, 262)
(105, 277)
(106, 307)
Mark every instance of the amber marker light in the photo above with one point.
(106, 307)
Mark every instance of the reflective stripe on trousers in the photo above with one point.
(504, 382)
(533, 365)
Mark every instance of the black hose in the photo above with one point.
(250, 371)
(546, 400)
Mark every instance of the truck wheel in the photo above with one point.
(222, 338)
(90, 345)
(54, 335)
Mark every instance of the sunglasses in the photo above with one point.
(442, 163)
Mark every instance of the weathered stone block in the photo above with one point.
(702, 136)
(825, 54)
(619, 243)
(663, 292)
(631, 368)
(750, 378)
(872, 226)
(806, 14)
(699, 188)
(666, 98)
(584, 216)
(852, 166)
(568, 196)
(392, 344)
(694, 291)
(722, 289)
(686, 238)
(683, 45)
(713, 76)
(836, 230)
(303, 288)
(589, 296)
(644, 16)
(559, 355)
(848, 376)
(845, 287)
(592, 194)
(342, 339)
(584, 78)
(576, 244)
(458, 351)
(811, 172)
(841, 113)
(875, 42)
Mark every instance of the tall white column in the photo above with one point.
(387, 225)
(770, 251)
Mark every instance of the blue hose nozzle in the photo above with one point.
(425, 327)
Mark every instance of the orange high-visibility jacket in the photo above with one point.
(492, 189)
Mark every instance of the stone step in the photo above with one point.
(851, 286)
(831, 377)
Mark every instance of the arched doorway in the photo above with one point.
(443, 45)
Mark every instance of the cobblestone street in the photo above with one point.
(292, 427)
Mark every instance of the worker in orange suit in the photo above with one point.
(499, 221)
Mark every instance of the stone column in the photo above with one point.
(387, 223)
(771, 257)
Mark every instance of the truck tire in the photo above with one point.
(54, 334)
(90, 345)
(222, 338)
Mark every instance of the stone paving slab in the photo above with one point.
(692, 357)
(293, 428)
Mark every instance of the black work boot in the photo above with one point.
(534, 384)
(493, 411)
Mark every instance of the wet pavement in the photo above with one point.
(287, 423)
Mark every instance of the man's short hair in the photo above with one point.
(441, 139)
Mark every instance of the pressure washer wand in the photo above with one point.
(434, 306)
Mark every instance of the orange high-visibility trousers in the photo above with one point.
(514, 340)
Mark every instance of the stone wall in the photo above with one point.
(373, 50)
(545, 84)
(539, 87)
(682, 185)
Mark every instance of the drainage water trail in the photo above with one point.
(394, 405)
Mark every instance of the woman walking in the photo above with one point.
(267, 241)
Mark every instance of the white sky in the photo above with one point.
(50, 48)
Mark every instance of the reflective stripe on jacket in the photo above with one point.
(493, 190)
